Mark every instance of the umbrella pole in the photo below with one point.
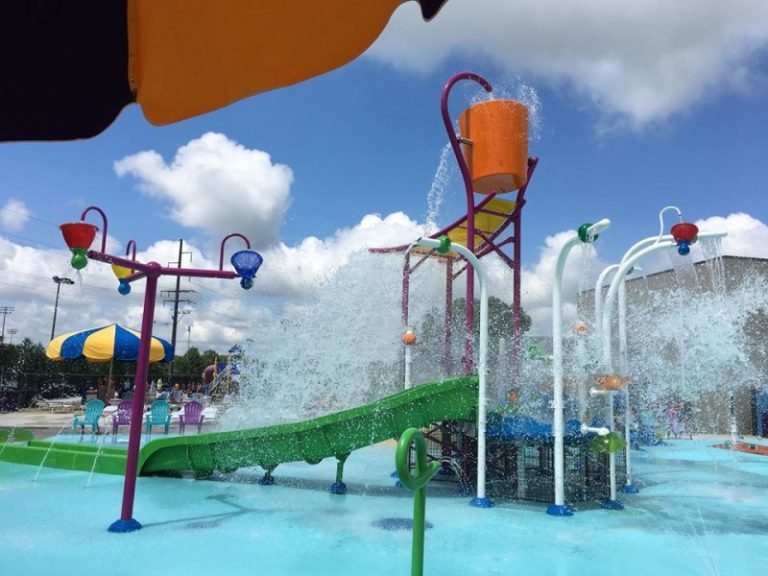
(127, 523)
(109, 378)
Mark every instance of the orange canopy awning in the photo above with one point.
(68, 68)
(193, 56)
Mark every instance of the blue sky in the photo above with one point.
(637, 107)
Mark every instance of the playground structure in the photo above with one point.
(494, 161)
(509, 456)
(492, 153)
(79, 236)
(218, 378)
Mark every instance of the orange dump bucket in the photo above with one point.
(497, 155)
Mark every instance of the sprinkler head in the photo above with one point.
(584, 233)
(121, 272)
(684, 234)
(124, 288)
(589, 232)
(78, 234)
(445, 245)
(79, 259)
(581, 328)
(246, 263)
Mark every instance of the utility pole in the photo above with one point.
(176, 300)
(5, 310)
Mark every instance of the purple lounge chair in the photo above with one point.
(123, 415)
(193, 414)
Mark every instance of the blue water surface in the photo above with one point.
(700, 511)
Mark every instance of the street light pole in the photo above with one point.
(59, 281)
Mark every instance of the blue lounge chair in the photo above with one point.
(93, 410)
(159, 415)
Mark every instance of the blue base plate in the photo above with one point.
(481, 502)
(612, 505)
(338, 488)
(559, 510)
(121, 525)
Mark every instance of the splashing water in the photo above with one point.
(694, 347)
(340, 350)
(712, 248)
(95, 460)
(516, 89)
(440, 184)
(47, 452)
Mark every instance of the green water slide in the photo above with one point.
(335, 435)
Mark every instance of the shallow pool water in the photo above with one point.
(700, 511)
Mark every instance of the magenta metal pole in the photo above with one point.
(127, 523)
(517, 310)
(151, 271)
(104, 221)
(470, 193)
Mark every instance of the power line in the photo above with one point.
(28, 216)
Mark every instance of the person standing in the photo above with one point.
(673, 426)
(103, 392)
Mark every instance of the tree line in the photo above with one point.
(26, 370)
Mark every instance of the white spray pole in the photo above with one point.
(443, 245)
(629, 487)
(408, 361)
(599, 293)
(622, 341)
(612, 503)
(559, 507)
(635, 253)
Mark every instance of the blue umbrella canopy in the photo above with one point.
(112, 342)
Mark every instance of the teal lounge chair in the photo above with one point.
(159, 415)
(93, 410)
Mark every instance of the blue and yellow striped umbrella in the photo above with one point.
(112, 342)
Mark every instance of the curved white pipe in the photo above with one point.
(635, 253)
(483, 353)
(599, 293)
(558, 427)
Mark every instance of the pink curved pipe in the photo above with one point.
(104, 221)
(130, 249)
(470, 193)
(224, 241)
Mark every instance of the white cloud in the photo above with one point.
(747, 236)
(14, 215)
(216, 185)
(294, 277)
(301, 269)
(637, 62)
